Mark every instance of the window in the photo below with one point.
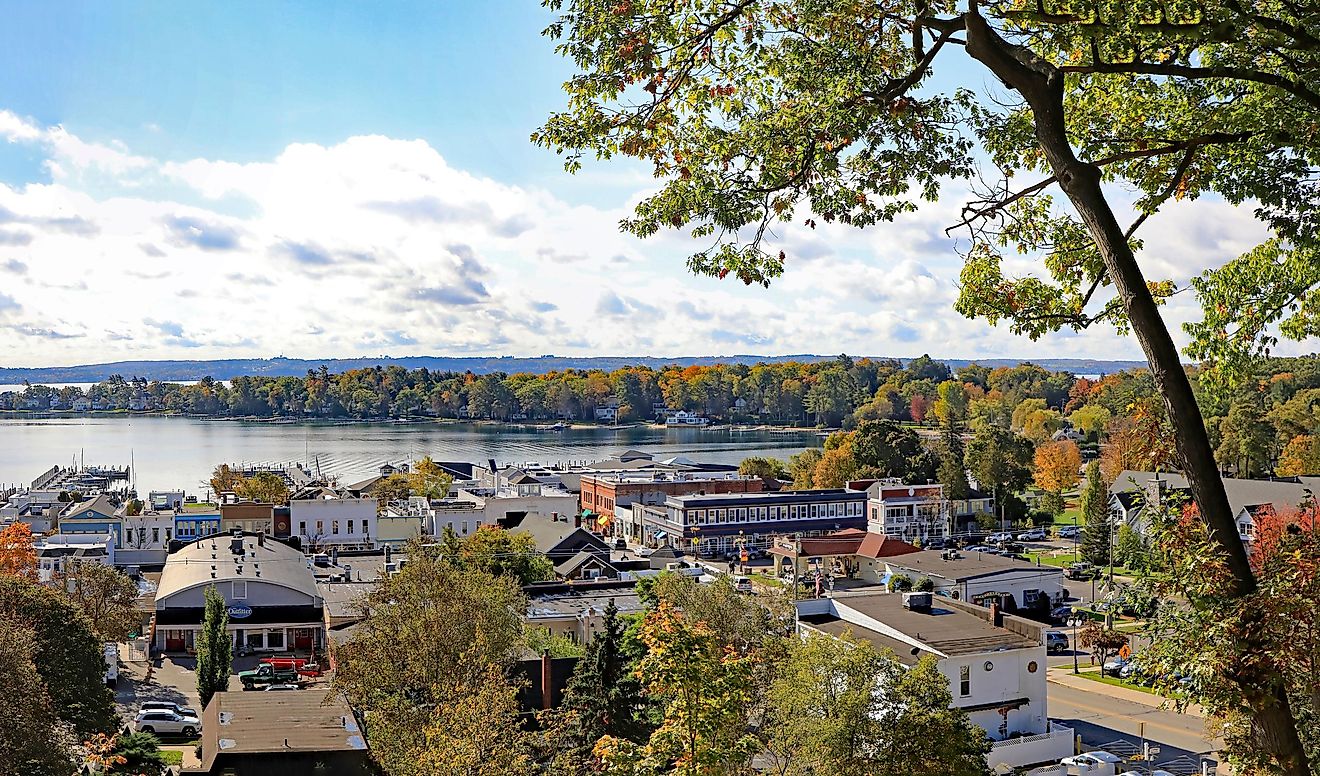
(302, 527)
(240, 591)
(964, 681)
(334, 527)
(465, 527)
(155, 535)
(167, 534)
(320, 528)
(275, 640)
(1030, 597)
(350, 527)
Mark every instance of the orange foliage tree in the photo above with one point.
(18, 555)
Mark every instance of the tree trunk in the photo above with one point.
(1041, 85)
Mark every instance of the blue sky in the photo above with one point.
(323, 179)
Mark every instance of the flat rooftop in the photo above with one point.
(947, 628)
(968, 565)
(303, 721)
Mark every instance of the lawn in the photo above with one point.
(172, 756)
(1116, 682)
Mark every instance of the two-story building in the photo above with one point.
(908, 512)
(324, 517)
(95, 516)
(995, 664)
(147, 538)
(268, 587)
(196, 522)
(56, 552)
(719, 522)
(606, 496)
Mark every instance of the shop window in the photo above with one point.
(275, 640)
(964, 681)
(334, 527)
(240, 591)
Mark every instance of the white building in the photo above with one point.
(325, 518)
(146, 538)
(980, 577)
(995, 664)
(55, 552)
(907, 512)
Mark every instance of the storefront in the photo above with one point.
(268, 588)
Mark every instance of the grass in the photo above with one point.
(1116, 682)
(172, 756)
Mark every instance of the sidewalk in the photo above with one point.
(1064, 676)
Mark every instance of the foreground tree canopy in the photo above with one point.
(755, 114)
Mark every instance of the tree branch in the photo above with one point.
(1188, 71)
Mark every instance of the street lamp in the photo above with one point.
(1075, 620)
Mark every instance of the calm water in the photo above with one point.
(181, 452)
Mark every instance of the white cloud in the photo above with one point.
(379, 245)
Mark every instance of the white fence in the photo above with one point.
(1032, 750)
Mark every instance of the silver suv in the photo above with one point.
(1056, 641)
(165, 721)
(182, 711)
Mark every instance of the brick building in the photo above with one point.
(609, 496)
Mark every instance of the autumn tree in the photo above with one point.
(1056, 466)
(764, 467)
(428, 480)
(432, 636)
(18, 556)
(105, 594)
(702, 688)
(756, 115)
(393, 487)
(1090, 419)
(1300, 457)
(263, 488)
(1101, 640)
(215, 647)
(224, 479)
(803, 467)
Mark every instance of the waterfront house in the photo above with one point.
(56, 552)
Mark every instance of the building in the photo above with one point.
(324, 517)
(717, 523)
(165, 500)
(56, 552)
(1248, 499)
(576, 611)
(576, 552)
(979, 577)
(247, 516)
(395, 530)
(907, 512)
(269, 587)
(281, 734)
(147, 538)
(995, 663)
(194, 522)
(96, 516)
(842, 553)
(605, 496)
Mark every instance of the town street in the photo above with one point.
(1107, 714)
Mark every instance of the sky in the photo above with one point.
(327, 179)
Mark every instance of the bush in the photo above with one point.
(924, 585)
(900, 583)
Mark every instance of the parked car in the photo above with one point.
(266, 675)
(1113, 666)
(1079, 570)
(1034, 535)
(1097, 757)
(752, 553)
(742, 584)
(936, 543)
(1156, 772)
(165, 721)
(1056, 641)
(182, 711)
(979, 548)
(1069, 532)
(1061, 613)
(996, 538)
(620, 544)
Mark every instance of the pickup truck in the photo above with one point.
(267, 674)
(303, 667)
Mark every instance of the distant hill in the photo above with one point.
(225, 369)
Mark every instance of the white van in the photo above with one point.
(111, 652)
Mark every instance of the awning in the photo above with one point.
(659, 534)
(1009, 704)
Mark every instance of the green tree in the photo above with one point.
(1246, 440)
(1096, 514)
(1090, 419)
(32, 735)
(952, 471)
(434, 648)
(393, 487)
(759, 113)
(1130, 548)
(803, 467)
(215, 647)
(603, 698)
(839, 706)
(883, 448)
(832, 397)
(767, 468)
(141, 755)
(106, 595)
(57, 638)
(702, 689)
(900, 583)
(1001, 461)
(499, 552)
(428, 479)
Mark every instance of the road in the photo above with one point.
(1101, 718)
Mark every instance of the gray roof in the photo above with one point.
(949, 628)
(969, 565)
(548, 534)
(578, 561)
(102, 504)
(1242, 494)
(251, 723)
(272, 563)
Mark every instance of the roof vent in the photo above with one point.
(236, 545)
(918, 602)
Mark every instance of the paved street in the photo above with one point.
(1101, 716)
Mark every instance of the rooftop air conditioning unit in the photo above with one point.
(917, 602)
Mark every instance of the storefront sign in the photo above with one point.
(238, 611)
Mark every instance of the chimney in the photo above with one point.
(261, 538)
(577, 521)
(547, 681)
(996, 616)
(1156, 489)
(491, 463)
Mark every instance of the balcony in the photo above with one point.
(1032, 750)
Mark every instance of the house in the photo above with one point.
(1248, 499)
(147, 538)
(162, 500)
(719, 522)
(305, 733)
(609, 411)
(574, 550)
(195, 522)
(56, 552)
(576, 610)
(81, 404)
(95, 516)
(685, 418)
(908, 512)
(995, 663)
(850, 553)
(326, 517)
(269, 587)
(980, 577)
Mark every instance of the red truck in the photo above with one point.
(298, 664)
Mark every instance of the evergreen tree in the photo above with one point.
(952, 472)
(603, 697)
(1095, 511)
(215, 648)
